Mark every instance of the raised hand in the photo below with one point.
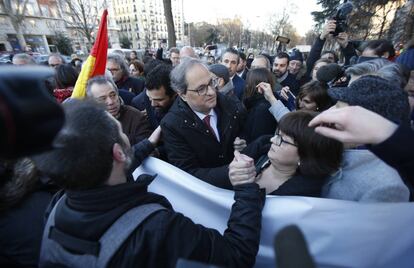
(353, 124)
(241, 169)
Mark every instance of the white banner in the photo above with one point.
(339, 233)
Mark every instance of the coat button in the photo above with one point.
(185, 121)
(235, 117)
(221, 156)
(207, 131)
(230, 126)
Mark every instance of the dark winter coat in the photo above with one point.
(259, 120)
(166, 235)
(191, 147)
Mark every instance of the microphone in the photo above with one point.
(329, 73)
(291, 249)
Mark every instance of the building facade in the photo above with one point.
(36, 30)
(142, 22)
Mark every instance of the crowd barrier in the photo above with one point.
(339, 233)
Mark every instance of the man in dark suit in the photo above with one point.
(241, 67)
(230, 59)
(201, 126)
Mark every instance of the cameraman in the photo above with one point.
(316, 51)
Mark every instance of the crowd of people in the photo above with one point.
(330, 124)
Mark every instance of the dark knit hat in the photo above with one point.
(377, 95)
(295, 54)
(407, 59)
(220, 71)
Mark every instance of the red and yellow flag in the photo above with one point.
(96, 62)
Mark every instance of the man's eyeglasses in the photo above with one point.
(278, 140)
(203, 89)
(113, 70)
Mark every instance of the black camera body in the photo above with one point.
(341, 17)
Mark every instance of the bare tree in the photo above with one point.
(280, 25)
(231, 30)
(82, 15)
(170, 23)
(16, 16)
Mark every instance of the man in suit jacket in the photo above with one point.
(230, 59)
(201, 126)
(241, 67)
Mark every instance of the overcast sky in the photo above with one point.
(254, 13)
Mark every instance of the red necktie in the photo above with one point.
(206, 121)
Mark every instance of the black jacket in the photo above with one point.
(398, 152)
(291, 82)
(189, 145)
(131, 84)
(259, 120)
(166, 235)
(21, 227)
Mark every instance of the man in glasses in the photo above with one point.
(201, 126)
(133, 122)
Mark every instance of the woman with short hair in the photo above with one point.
(297, 162)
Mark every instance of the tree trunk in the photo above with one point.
(21, 40)
(170, 23)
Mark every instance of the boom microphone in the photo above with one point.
(329, 73)
(291, 249)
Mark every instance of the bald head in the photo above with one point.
(188, 51)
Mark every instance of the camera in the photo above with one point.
(30, 117)
(341, 17)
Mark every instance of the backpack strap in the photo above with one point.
(120, 230)
(108, 244)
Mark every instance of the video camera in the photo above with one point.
(341, 17)
(30, 117)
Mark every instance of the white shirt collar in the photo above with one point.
(212, 113)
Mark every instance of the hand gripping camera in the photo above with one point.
(341, 17)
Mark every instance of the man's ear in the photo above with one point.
(183, 96)
(118, 153)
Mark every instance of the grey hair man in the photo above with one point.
(261, 61)
(134, 124)
(55, 60)
(188, 51)
(23, 59)
(201, 126)
(120, 74)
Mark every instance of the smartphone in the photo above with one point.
(290, 94)
(291, 102)
(211, 47)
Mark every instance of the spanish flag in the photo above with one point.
(96, 62)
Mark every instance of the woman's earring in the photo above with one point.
(299, 164)
(317, 108)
